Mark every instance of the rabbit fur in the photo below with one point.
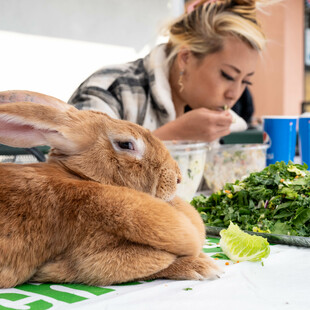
(101, 210)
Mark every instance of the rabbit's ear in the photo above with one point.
(29, 96)
(26, 124)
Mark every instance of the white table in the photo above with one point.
(282, 282)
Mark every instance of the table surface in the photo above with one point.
(281, 282)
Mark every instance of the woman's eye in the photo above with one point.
(125, 145)
(226, 76)
(247, 82)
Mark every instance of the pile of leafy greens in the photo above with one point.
(275, 200)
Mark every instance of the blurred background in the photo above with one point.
(51, 46)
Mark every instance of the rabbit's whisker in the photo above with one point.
(121, 177)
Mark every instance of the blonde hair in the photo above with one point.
(204, 29)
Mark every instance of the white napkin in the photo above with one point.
(238, 124)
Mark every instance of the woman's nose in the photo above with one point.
(232, 94)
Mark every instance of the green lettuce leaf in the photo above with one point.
(240, 246)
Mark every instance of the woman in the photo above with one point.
(184, 89)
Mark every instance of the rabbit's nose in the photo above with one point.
(179, 178)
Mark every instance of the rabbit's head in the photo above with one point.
(89, 144)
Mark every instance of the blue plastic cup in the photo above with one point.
(304, 138)
(280, 134)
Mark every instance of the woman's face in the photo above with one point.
(218, 79)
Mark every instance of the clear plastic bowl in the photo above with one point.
(191, 158)
(231, 162)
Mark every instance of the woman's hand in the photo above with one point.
(199, 124)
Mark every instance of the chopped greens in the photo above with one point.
(275, 200)
(220, 256)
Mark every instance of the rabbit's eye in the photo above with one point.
(126, 145)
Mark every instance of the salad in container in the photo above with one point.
(230, 162)
(191, 158)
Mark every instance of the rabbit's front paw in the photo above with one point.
(191, 268)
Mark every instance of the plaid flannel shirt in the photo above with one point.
(138, 91)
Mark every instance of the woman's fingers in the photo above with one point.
(199, 124)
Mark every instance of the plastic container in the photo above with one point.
(191, 158)
(231, 162)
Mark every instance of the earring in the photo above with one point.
(180, 81)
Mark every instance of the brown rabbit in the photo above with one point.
(101, 210)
